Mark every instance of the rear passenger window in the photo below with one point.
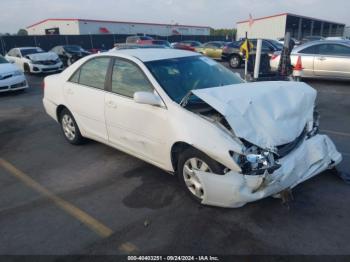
(311, 50)
(128, 78)
(92, 73)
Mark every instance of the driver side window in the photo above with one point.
(127, 79)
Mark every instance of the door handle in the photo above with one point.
(321, 58)
(111, 104)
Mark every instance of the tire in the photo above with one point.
(70, 128)
(235, 61)
(26, 68)
(190, 182)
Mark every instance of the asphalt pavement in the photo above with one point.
(60, 199)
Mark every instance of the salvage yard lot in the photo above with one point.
(92, 199)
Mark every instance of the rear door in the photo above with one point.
(85, 94)
(333, 60)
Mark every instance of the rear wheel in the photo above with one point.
(235, 61)
(70, 128)
(194, 160)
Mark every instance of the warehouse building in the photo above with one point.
(276, 26)
(347, 32)
(86, 26)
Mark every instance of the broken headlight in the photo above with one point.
(256, 161)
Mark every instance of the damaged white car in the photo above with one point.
(34, 60)
(229, 142)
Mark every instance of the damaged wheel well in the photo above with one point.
(59, 110)
(175, 149)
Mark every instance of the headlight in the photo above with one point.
(256, 161)
(17, 73)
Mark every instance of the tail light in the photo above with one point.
(225, 48)
(43, 84)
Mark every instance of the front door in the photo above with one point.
(140, 129)
(333, 60)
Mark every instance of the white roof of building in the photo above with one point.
(153, 54)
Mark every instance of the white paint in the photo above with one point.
(31, 60)
(81, 27)
(269, 28)
(257, 59)
(149, 132)
(266, 114)
(235, 190)
(12, 76)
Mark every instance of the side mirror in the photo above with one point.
(147, 98)
(19, 56)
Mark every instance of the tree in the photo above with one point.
(22, 32)
(230, 33)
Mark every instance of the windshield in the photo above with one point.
(3, 60)
(31, 51)
(73, 48)
(178, 76)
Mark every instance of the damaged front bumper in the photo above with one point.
(233, 189)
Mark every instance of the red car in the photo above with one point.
(141, 40)
(187, 45)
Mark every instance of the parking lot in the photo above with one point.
(56, 198)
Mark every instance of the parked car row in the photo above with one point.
(11, 78)
(321, 59)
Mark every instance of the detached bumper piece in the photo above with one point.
(234, 190)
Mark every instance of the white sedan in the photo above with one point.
(11, 78)
(229, 142)
(34, 60)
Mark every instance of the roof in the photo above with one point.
(290, 14)
(153, 54)
(108, 21)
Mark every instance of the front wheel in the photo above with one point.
(194, 160)
(70, 128)
(235, 61)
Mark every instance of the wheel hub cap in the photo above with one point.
(68, 127)
(191, 180)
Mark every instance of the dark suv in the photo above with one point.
(234, 57)
(69, 53)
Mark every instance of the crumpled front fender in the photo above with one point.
(235, 190)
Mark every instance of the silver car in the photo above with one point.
(321, 59)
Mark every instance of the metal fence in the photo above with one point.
(47, 42)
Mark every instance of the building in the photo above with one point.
(276, 26)
(86, 26)
(347, 32)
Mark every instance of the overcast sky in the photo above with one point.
(214, 13)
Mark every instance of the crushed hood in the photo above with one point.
(266, 114)
(43, 56)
